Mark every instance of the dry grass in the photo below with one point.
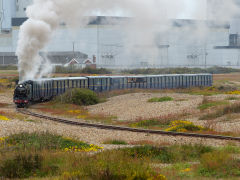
(226, 77)
(150, 143)
(160, 122)
(73, 111)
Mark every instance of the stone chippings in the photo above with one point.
(125, 106)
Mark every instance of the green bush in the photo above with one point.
(79, 97)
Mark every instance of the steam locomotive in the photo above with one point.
(45, 89)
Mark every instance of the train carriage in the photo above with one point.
(46, 89)
(98, 83)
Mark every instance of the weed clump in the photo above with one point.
(79, 97)
(162, 99)
(115, 142)
(208, 104)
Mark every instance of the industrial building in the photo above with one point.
(193, 43)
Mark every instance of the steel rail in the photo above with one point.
(122, 128)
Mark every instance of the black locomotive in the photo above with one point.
(45, 89)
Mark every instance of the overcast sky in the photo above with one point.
(193, 9)
(190, 9)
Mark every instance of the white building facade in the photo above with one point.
(186, 43)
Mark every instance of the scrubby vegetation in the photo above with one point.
(37, 154)
(79, 97)
(161, 99)
(115, 141)
(72, 69)
(206, 103)
(212, 70)
(44, 155)
(228, 109)
(219, 164)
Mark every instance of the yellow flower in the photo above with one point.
(186, 170)
(3, 118)
(4, 81)
(234, 92)
(161, 177)
(81, 117)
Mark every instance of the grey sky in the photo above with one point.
(190, 9)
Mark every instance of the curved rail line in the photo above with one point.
(121, 128)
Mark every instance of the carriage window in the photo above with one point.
(136, 80)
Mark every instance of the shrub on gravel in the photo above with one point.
(79, 97)
(115, 142)
(162, 99)
(44, 141)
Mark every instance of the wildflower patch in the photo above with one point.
(184, 126)
(47, 141)
(237, 92)
(4, 118)
(4, 81)
(90, 148)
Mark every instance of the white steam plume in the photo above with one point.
(150, 18)
(45, 16)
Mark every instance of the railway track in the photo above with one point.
(121, 128)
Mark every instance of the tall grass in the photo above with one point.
(23, 161)
(219, 164)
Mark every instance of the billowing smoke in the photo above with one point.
(46, 15)
(150, 17)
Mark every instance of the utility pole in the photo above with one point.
(98, 51)
(73, 43)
